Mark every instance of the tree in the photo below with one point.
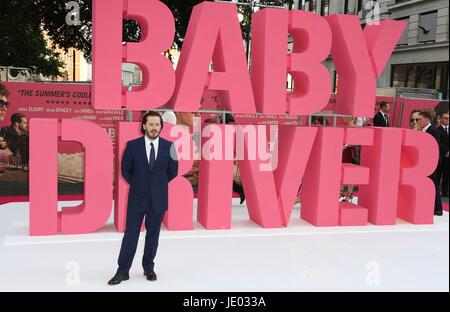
(23, 23)
(53, 15)
(23, 43)
(80, 36)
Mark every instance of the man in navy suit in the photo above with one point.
(444, 132)
(381, 118)
(426, 126)
(148, 165)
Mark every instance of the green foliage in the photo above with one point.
(22, 41)
(23, 21)
(53, 15)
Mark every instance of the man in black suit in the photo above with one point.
(426, 126)
(444, 136)
(148, 165)
(381, 118)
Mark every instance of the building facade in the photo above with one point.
(421, 57)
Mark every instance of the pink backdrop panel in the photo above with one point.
(411, 104)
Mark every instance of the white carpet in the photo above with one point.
(300, 257)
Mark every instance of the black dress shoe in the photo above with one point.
(151, 275)
(438, 213)
(117, 279)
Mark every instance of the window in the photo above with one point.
(313, 5)
(404, 38)
(302, 4)
(427, 76)
(325, 9)
(360, 3)
(399, 76)
(309, 5)
(427, 27)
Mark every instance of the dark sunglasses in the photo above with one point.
(412, 120)
(3, 103)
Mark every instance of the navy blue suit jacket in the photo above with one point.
(435, 133)
(379, 121)
(148, 188)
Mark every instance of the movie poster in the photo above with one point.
(24, 101)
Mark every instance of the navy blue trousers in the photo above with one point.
(153, 220)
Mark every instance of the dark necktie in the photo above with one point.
(387, 120)
(152, 156)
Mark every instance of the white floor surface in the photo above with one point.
(300, 257)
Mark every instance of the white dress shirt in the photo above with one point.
(148, 147)
(424, 129)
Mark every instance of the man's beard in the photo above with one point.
(152, 135)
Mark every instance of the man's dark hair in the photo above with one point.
(383, 104)
(414, 111)
(441, 108)
(145, 118)
(17, 117)
(3, 90)
(426, 114)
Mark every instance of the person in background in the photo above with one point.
(425, 124)
(444, 136)
(4, 105)
(432, 114)
(381, 119)
(440, 109)
(414, 120)
(363, 122)
(319, 121)
(5, 152)
(17, 137)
